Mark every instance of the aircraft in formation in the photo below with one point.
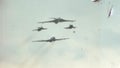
(52, 39)
(40, 29)
(70, 27)
(57, 20)
(61, 20)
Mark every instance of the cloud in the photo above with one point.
(94, 57)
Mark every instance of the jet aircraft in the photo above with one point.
(110, 11)
(40, 29)
(52, 39)
(57, 20)
(95, 0)
(70, 27)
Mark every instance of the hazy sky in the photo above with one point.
(94, 45)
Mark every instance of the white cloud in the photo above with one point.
(95, 57)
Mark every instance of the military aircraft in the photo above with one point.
(95, 0)
(70, 27)
(52, 39)
(40, 29)
(110, 11)
(57, 20)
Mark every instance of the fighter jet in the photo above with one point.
(52, 39)
(110, 11)
(40, 29)
(70, 27)
(57, 20)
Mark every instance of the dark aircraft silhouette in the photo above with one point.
(57, 20)
(95, 0)
(40, 29)
(52, 39)
(110, 11)
(70, 27)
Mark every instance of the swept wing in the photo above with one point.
(41, 41)
(61, 39)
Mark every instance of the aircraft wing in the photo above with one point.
(41, 41)
(67, 27)
(69, 20)
(61, 39)
(46, 22)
